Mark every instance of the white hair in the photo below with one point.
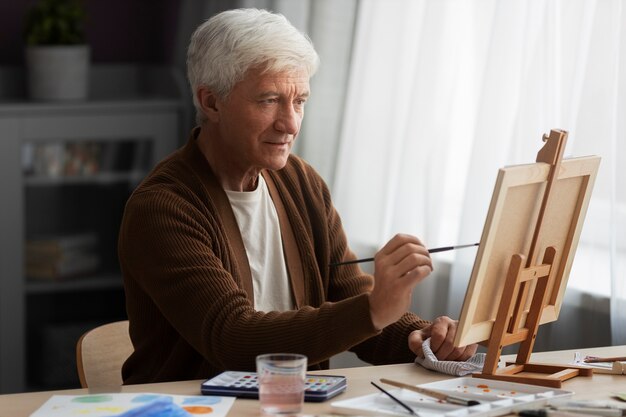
(230, 43)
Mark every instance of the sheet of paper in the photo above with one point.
(101, 405)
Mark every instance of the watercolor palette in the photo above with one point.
(108, 405)
(495, 398)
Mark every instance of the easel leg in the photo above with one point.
(536, 308)
(502, 335)
(494, 348)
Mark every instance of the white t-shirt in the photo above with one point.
(258, 223)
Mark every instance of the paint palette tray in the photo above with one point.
(495, 398)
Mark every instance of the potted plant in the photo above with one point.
(57, 56)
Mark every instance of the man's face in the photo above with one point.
(260, 119)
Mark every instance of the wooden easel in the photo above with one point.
(507, 329)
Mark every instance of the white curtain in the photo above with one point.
(442, 93)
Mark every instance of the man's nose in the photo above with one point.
(288, 120)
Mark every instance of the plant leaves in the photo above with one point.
(55, 22)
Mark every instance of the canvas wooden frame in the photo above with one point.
(515, 213)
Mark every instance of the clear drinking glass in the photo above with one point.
(281, 382)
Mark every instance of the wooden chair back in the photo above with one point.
(100, 354)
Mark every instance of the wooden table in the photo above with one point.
(600, 386)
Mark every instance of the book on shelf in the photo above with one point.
(62, 256)
(55, 159)
(57, 245)
(67, 267)
(83, 158)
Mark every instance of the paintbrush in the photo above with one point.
(434, 250)
(431, 393)
(596, 359)
(388, 394)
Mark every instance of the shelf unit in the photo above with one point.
(36, 315)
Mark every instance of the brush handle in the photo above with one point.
(594, 359)
(425, 391)
(430, 393)
(434, 250)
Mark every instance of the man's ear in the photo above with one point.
(208, 103)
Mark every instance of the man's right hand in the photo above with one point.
(400, 265)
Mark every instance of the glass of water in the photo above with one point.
(281, 378)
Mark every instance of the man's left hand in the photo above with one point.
(441, 333)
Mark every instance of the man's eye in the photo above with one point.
(269, 101)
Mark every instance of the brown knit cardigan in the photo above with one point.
(188, 285)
